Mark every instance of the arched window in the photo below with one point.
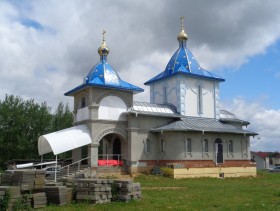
(205, 145)
(230, 146)
(148, 145)
(83, 102)
(188, 145)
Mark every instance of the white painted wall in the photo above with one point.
(182, 92)
(112, 108)
(82, 114)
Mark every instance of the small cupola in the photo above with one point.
(182, 36)
(103, 50)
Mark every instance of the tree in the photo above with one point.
(21, 123)
(62, 118)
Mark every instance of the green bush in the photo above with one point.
(168, 172)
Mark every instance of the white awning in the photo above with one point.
(64, 140)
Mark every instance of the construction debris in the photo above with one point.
(29, 189)
(95, 191)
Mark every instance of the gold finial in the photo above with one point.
(182, 35)
(103, 49)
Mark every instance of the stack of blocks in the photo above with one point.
(28, 187)
(14, 195)
(127, 190)
(39, 200)
(24, 179)
(56, 195)
(95, 191)
(27, 182)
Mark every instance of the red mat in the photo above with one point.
(110, 163)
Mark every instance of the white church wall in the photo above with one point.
(191, 97)
(182, 92)
(165, 91)
(112, 108)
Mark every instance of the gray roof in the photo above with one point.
(227, 116)
(153, 109)
(198, 124)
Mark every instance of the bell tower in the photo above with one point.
(186, 85)
(101, 102)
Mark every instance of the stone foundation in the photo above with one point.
(199, 168)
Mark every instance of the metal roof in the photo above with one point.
(227, 116)
(154, 109)
(183, 62)
(202, 125)
(104, 75)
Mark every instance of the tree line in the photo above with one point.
(22, 122)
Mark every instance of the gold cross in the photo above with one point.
(103, 34)
(182, 21)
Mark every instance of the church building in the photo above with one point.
(182, 127)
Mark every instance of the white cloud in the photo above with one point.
(43, 64)
(263, 121)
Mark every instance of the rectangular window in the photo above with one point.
(205, 145)
(188, 145)
(230, 146)
(161, 145)
(199, 99)
(164, 94)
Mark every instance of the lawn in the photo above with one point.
(162, 193)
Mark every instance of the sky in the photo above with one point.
(47, 47)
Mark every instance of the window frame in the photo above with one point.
(162, 145)
(205, 145)
(188, 145)
(230, 146)
(199, 100)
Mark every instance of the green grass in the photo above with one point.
(162, 193)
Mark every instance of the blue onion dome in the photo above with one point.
(183, 62)
(103, 75)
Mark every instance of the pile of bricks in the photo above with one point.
(28, 187)
(105, 190)
(12, 193)
(95, 191)
(39, 179)
(24, 179)
(27, 182)
(39, 200)
(6, 178)
(56, 194)
(127, 190)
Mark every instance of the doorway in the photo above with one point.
(219, 151)
(116, 149)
